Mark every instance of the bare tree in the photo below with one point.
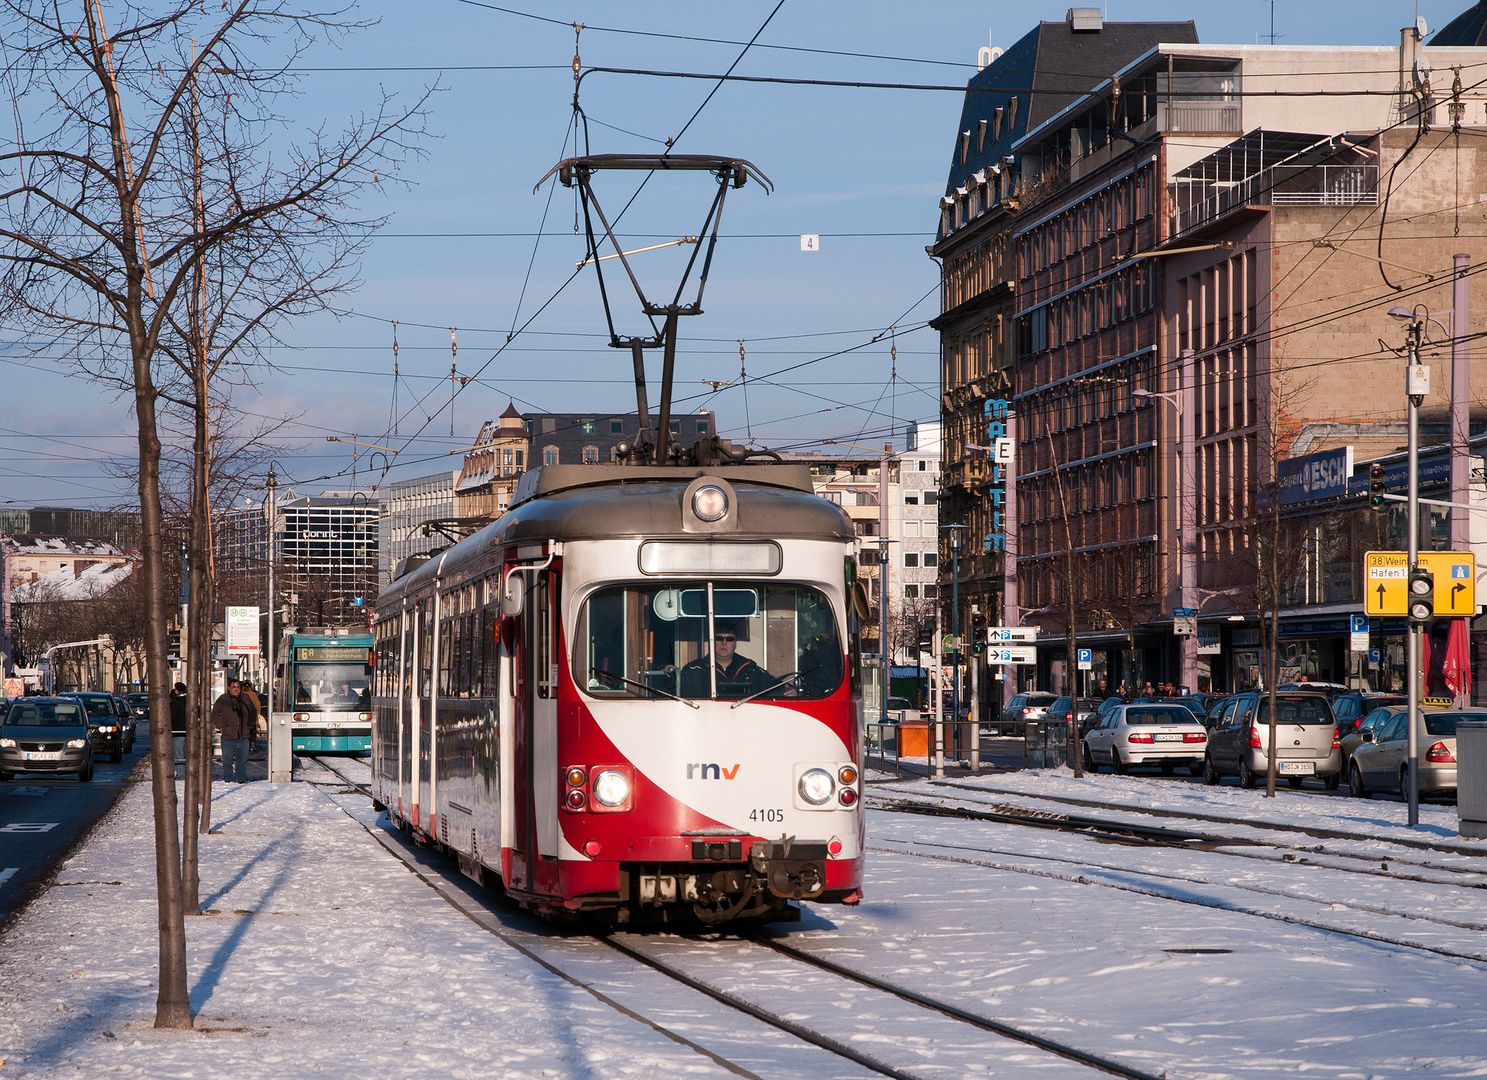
(1280, 553)
(101, 238)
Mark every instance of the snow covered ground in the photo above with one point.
(325, 956)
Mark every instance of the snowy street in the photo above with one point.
(1305, 934)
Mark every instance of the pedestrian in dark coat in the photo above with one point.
(178, 722)
(234, 716)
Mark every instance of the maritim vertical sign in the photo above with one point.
(1001, 461)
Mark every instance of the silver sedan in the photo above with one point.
(1153, 734)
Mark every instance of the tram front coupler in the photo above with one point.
(793, 869)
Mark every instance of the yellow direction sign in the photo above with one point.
(1455, 582)
(1385, 582)
(1386, 575)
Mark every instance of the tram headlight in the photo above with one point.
(816, 786)
(611, 788)
(710, 503)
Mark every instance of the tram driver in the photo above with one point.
(738, 676)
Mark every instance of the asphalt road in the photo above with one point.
(42, 817)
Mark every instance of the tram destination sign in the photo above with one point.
(331, 652)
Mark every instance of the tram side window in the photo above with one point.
(652, 641)
(542, 622)
(446, 654)
(426, 649)
(490, 651)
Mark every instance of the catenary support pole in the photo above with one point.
(1461, 424)
(1412, 529)
(1187, 419)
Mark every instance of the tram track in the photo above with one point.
(1314, 831)
(1088, 873)
(941, 1009)
(643, 949)
(1294, 854)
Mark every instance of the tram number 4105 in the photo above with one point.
(766, 815)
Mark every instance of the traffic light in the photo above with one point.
(1376, 487)
(1422, 596)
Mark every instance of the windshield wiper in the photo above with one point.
(644, 686)
(772, 686)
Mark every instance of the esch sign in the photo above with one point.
(1316, 476)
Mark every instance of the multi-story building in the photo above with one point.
(408, 508)
(901, 508)
(1017, 92)
(1122, 262)
(328, 546)
(515, 442)
(492, 467)
(914, 595)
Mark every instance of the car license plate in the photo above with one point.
(1169, 736)
(44, 755)
(1305, 767)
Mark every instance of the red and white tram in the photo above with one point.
(636, 696)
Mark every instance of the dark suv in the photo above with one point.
(105, 727)
(1306, 739)
(1348, 709)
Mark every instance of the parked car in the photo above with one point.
(126, 719)
(1350, 708)
(1381, 762)
(1191, 704)
(1330, 690)
(45, 735)
(1029, 706)
(1084, 710)
(105, 727)
(1368, 727)
(1157, 733)
(1215, 711)
(1306, 739)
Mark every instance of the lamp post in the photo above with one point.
(1184, 402)
(954, 531)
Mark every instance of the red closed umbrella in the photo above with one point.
(1456, 669)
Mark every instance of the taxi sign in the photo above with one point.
(1386, 573)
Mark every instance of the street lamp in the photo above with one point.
(954, 531)
(1184, 401)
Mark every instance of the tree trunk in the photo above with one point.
(172, 1003)
(1272, 653)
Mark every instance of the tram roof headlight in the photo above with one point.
(709, 502)
(816, 786)
(611, 788)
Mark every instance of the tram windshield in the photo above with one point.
(332, 687)
(723, 640)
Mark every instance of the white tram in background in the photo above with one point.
(636, 696)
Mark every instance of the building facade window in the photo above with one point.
(911, 558)
(590, 455)
(549, 455)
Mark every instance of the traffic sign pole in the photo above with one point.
(1412, 528)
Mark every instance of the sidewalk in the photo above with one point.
(322, 955)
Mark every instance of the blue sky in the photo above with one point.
(863, 168)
